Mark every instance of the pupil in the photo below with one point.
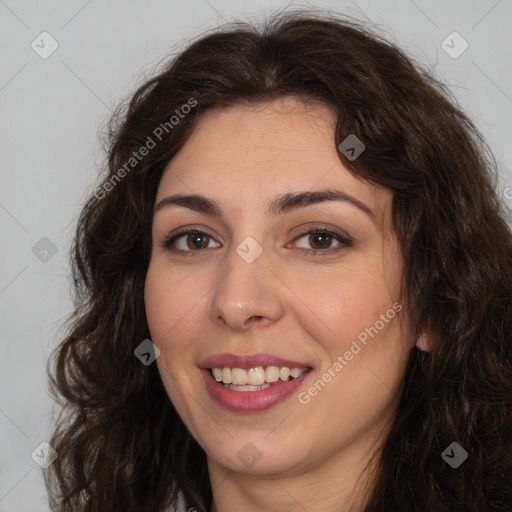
(196, 240)
(321, 239)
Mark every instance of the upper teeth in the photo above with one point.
(255, 376)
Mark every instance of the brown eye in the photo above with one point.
(320, 240)
(197, 241)
(188, 242)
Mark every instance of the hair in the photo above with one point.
(121, 444)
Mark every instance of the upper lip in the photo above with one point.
(247, 361)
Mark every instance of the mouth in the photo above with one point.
(252, 383)
(257, 378)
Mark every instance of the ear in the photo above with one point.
(424, 342)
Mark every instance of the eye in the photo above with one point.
(187, 242)
(321, 239)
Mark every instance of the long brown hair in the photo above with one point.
(121, 444)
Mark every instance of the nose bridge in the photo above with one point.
(247, 289)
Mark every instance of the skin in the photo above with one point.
(286, 303)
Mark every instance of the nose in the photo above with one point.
(247, 294)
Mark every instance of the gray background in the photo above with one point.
(51, 113)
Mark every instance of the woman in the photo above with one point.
(293, 290)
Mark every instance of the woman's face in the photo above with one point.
(253, 287)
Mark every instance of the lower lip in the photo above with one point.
(251, 401)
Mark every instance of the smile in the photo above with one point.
(248, 383)
(255, 379)
(249, 398)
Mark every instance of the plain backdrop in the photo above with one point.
(52, 109)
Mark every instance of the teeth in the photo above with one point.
(295, 372)
(272, 374)
(254, 377)
(226, 375)
(247, 388)
(238, 377)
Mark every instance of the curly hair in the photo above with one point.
(121, 444)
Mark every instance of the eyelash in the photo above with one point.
(344, 242)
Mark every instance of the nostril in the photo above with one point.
(254, 318)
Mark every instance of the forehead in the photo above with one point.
(249, 154)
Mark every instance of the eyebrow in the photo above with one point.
(278, 206)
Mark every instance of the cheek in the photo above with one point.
(175, 312)
(158, 305)
(169, 300)
(352, 303)
(365, 312)
(167, 315)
